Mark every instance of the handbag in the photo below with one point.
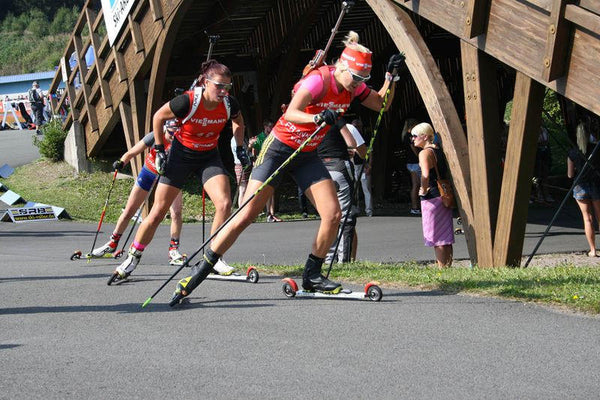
(445, 188)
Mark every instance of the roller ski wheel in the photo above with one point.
(76, 256)
(373, 292)
(117, 278)
(118, 254)
(289, 288)
(252, 275)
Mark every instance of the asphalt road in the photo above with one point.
(66, 334)
(16, 148)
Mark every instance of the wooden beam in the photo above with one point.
(136, 34)
(69, 89)
(156, 9)
(98, 61)
(591, 5)
(85, 87)
(483, 127)
(438, 102)
(476, 17)
(557, 40)
(130, 136)
(120, 64)
(523, 134)
(582, 17)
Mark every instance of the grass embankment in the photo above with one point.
(574, 287)
(83, 196)
(577, 288)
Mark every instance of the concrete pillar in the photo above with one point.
(75, 153)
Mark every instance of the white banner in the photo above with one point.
(28, 214)
(115, 15)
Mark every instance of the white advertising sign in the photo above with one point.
(29, 214)
(115, 15)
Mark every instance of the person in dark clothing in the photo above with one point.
(37, 103)
(412, 165)
(334, 152)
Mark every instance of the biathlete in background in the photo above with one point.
(202, 114)
(317, 98)
(334, 151)
(139, 193)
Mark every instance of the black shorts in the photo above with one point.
(181, 162)
(306, 168)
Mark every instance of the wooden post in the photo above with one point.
(483, 127)
(524, 130)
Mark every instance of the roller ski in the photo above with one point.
(371, 292)
(224, 272)
(123, 271)
(108, 250)
(315, 285)
(176, 258)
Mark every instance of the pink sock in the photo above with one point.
(138, 246)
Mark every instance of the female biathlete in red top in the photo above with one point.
(317, 96)
(203, 114)
(143, 184)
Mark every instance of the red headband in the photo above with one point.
(357, 60)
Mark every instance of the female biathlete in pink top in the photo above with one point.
(139, 193)
(203, 114)
(317, 97)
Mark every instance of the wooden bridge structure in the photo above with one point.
(456, 50)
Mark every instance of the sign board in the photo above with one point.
(27, 214)
(115, 15)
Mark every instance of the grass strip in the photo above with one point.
(575, 287)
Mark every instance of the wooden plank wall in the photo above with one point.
(553, 42)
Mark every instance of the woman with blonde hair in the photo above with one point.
(437, 219)
(318, 98)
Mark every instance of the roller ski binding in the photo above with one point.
(371, 292)
(123, 271)
(176, 258)
(180, 291)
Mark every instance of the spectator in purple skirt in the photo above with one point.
(437, 219)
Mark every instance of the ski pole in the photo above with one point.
(357, 179)
(562, 204)
(137, 218)
(112, 184)
(248, 200)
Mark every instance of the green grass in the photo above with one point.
(577, 288)
(83, 196)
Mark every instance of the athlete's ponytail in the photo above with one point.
(212, 67)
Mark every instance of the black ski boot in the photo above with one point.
(199, 273)
(312, 280)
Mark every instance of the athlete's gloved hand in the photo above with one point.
(394, 65)
(118, 165)
(160, 160)
(328, 116)
(242, 155)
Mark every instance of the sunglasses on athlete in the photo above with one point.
(221, 86)
(359, 78)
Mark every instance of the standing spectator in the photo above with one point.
(36, 99)
(334, 152)
(256, 144)
(365, 178)
(587, 190)
(412, 165)
(241, 174)
(543, 162)
(437, 218)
